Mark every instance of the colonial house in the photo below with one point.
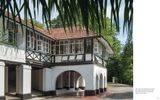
(53, 62)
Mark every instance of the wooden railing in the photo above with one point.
(99, 60)
(39, 56)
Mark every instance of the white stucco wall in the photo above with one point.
(88, 72)
(85, 70)
(2, 67)
(98, 71)
(13, 53)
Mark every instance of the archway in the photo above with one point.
(80, 83)
(70, 83)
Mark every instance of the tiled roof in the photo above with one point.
(59, 33)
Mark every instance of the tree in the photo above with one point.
(110, 34)
(36, 23)
(121, 66)
(56, 22)
(84, 10)
(127, 63)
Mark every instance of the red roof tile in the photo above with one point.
(60, 33)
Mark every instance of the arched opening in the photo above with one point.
(97, 85)
(70, 83)
(101, 83)
(80, 83)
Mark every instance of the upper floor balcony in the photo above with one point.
(87, 50)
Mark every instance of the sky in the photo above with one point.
(120, 35)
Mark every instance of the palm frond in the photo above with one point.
(72, 10)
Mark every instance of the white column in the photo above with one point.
(47, 79)
(23, 80)
(6, 79)
(2, 80)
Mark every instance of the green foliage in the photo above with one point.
(36, 23)
(127, 62)
(110, 34)
(56, 23)
(121, 66)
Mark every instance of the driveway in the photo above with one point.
(118, 92)
(114, 92)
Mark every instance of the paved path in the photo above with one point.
(114, 92)
(118, 92)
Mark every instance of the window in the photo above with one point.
(30, 39)
(57, 47)
(50, 46)
(88, 45)
(65, 51)
(61, 47)
(39, 43)
(79, 46)
(11, 37)
(69, 47)
(53, 48)
(12, 26)
(95, 46)
(12, 30)
(44, 45)
(47, 46)
(72, 47)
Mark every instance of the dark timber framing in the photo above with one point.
(41, 57)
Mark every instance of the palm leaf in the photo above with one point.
(71, 10)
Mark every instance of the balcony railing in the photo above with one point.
(37, 56)
(99, 60)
